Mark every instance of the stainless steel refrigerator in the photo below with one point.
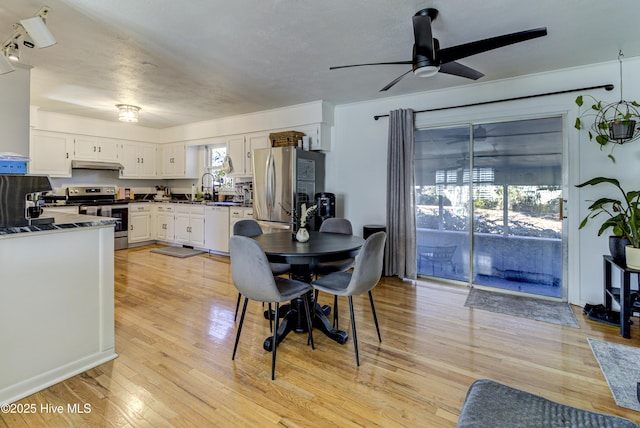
(283, 179)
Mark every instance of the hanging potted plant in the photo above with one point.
(613, 123)
(622, 216)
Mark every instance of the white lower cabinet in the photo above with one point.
(164, 222)
(216, 228)
(189, 224)
(238, 213)
(139, 222)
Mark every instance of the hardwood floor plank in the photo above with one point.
(175, 334)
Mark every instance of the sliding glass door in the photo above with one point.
(488, 204)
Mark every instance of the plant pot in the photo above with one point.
(617, 246)
(302, 235)
(622, 130)
(633, 257)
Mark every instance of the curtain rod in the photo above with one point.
(608, 87)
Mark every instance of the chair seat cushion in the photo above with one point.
(491, 404)
(334, 283)
(290, 288)
(279, 268)
(326, 268)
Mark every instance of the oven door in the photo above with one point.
(118, 211)
(121, 213)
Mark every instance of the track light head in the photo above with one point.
(13, 52)
(38, 31)
(5, 64)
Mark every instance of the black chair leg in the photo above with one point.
(270, 320)
(237, 306)
(305, 299)
(353, 330)
(375, 318)
(274, 343)
(335, 311)
(244, 310)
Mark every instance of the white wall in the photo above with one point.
(14, 111)
(356, 169)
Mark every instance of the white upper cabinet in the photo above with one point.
(240, 150)
(138, 159)
(319, 136)
(179, 161)
(95, 149)
(50, 153)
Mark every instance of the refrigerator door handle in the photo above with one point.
(270, 182)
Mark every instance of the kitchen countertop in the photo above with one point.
(61, 221)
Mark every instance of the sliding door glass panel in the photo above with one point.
(516, 187)
(442, 202)
(488, 204)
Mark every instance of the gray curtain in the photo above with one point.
(401, 217)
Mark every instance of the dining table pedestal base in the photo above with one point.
(295, 320)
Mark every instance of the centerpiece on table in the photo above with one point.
(302, 235)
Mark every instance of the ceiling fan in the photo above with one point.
(429, 59)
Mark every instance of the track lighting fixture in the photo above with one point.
(34, 33)
(13, 52)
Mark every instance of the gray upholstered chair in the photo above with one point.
(251, 228)
(365, 276)
(253, 278)
(335, 225)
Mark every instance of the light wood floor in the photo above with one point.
(175, 335)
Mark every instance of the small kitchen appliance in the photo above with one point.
(15, 191)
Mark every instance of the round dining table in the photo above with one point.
(281, 247)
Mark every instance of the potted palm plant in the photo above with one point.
(622, 216)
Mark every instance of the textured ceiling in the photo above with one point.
(194, 60)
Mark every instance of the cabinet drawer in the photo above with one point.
(197, 209)
(139, 207)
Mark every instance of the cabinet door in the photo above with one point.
(50, 154)
(147, 153)
(107, 150)
(85, 148)
(196, 224)
(235, 151)
(182, 228)
(130, 159)
(139, 226)
(253, 142)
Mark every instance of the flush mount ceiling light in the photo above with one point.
(127, 113)
(34, 33)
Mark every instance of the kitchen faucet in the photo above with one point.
(207, 195)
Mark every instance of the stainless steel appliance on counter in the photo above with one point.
(101, 201)
(15, 191)
(283, 179)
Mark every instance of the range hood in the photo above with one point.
(80, 164)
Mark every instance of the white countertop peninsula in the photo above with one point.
(57, 305)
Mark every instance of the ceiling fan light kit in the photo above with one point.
(428, 59)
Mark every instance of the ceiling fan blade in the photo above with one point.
(454, 53)
(373, 63)
(458, 69)
(389, 85)
(422, 32)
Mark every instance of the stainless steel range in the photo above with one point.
(101, 201)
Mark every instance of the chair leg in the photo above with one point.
(270, 320)
(353, 330)
(375, 318)
(305, 299)
(237, 306)
(244, 310)
(274, 343)
(335, 311)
